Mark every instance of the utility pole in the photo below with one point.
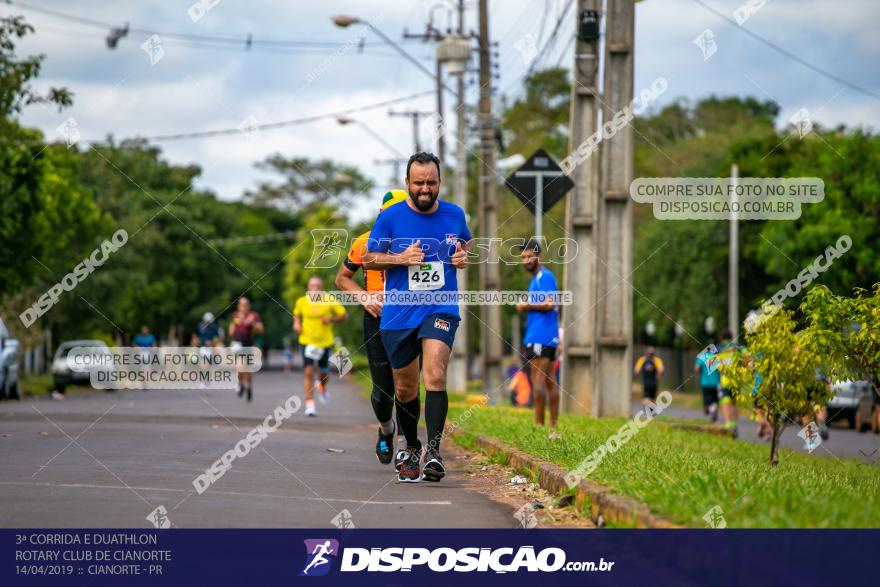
(490, 279)
(733, 262)
(431, 34)
(439, 122)
(453, 51)
(579, 318)
(414, 115)
(458, 364)
(613, 362)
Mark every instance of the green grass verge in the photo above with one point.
(32, 385)
(41, 384)
(682, 474)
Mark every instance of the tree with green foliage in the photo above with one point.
(539, 119)
(847, 163)
(16, 91)
(771, 252)
(45, 213)
(306, 182)
(786, 365)
(681, 265)
(846, 332)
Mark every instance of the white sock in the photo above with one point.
(387, 427)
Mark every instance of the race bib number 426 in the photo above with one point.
(426, 276)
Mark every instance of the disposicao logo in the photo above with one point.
(318, 556)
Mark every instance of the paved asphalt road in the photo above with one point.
(104, 459)
(842, 442)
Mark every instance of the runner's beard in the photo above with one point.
(420, 203)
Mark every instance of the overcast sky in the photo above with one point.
(200, 86)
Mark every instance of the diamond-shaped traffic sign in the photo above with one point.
(539, 171)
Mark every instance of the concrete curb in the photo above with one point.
(604, 506)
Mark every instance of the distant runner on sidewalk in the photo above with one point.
(706, 366)
(650, 367)
(313, 321)
(726, 404)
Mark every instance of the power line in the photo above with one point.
(551, 39)
(789, 54)
(266, 49)
(283, 123)
(246, 41)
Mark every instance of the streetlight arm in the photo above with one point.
(409, 57)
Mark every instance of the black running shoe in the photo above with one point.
(434, 470)
(240, 390)
(385, 447)
(409, 469)
(250, 394)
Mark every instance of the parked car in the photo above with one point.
(62, 375)
(851, 401)
(9, 388)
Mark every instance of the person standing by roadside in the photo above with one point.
(146, 342)
(542, 334)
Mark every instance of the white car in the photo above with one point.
(851, 400)
(62, 374)
(8, 364)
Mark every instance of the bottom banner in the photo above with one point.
(434, 556)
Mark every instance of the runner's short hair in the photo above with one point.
(531, 244)
(423, 158)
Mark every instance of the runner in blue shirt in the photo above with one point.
(419, 244)
(208, 330)
(542, 333)
(706, 366)
(144, 339)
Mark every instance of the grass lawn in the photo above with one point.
(42, 384)
(33, 385)
(681, 475)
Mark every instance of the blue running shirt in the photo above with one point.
(395, 230)
(542, 327)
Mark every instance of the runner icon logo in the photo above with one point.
(318, 551)
(441, 324)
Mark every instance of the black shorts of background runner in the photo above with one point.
(546, 352)
(710, 396)
(382, 395)
(650, 391)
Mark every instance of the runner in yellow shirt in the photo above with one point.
(313, 322)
